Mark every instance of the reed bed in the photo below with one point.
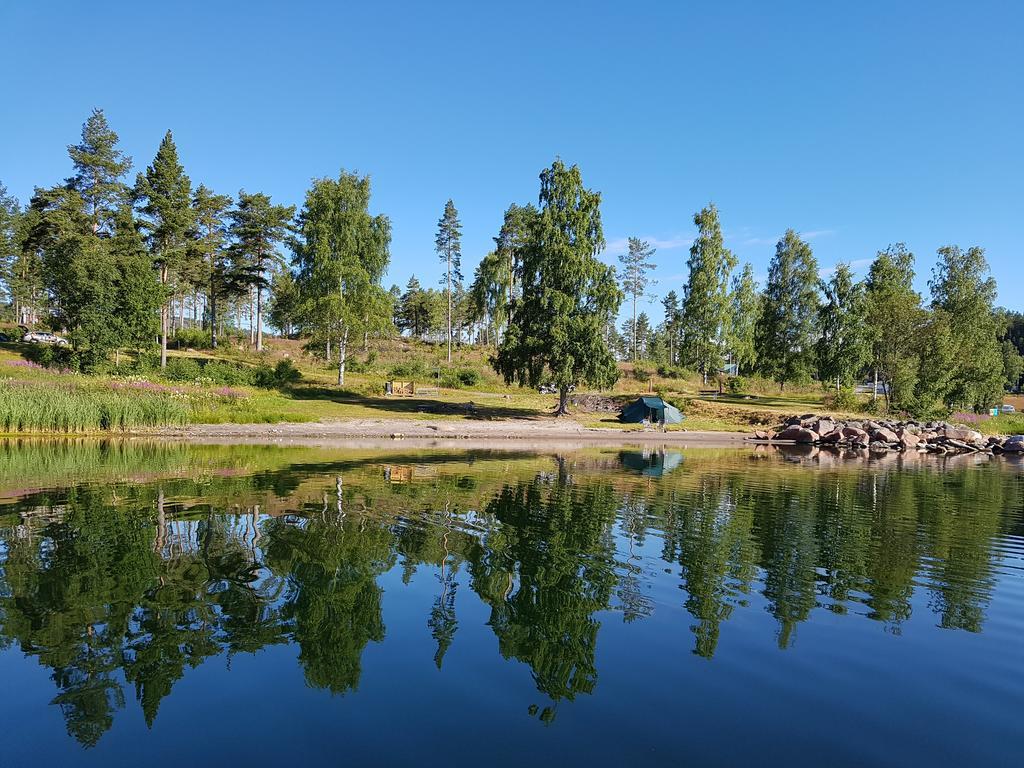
(64, 408)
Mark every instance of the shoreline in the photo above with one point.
(516, 434)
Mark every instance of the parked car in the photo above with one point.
(44, 337)
(1007, 408)
(4, 337)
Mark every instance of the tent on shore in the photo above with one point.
(650, 409)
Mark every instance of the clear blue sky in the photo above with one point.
(857, 124)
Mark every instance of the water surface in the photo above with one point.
(173, 605)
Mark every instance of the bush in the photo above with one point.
(738, 385)
(463, 377)
(52, 356)
(196, 338)
(182, 369)
(413, 369)
(843, 400)
(282, 375)
(219, 372)
(640, 373)
(672, 372)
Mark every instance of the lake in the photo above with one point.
(172, 604)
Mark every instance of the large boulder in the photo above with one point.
(823, 426)
(797, 434)
(964, 434)
(856, 434)
(884, 435)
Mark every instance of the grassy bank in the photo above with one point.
(207, 387)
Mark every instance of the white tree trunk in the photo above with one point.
(342, 352)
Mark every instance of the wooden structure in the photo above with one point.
(399, 388)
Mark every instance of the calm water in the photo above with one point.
(175, 605)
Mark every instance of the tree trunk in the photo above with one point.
(328, 350)
(342, 352)
(634, 328)
(563, 402)
(163, 320)
(874, 390)
(213, 316)
(259, 318)
(449, 307)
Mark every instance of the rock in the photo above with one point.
(1013, 444)
(884, 435)
(961, 433)
(908, 440)
(760, 434)
(832, 437)
(823, 426)
(856, 433)
(876, 446)
(797, 434)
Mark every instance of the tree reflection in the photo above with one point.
(113, 583)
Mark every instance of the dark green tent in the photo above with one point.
(652, 409)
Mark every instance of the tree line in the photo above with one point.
(121, 265)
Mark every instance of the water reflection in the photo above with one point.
(170, 557)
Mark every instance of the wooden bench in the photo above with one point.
(428, 391)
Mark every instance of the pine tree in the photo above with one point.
(636, 263)
(164, 195)
(10, 243)
(448, 244)
(257, 226)
(842, 347)
(744, 313)
(705, 307)
(99, 168)
(209, 250)
(786, 333)
(568, 296)
(137, 292)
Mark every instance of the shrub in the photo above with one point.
(182, 369)
(738, 385)
(640, 373)
(843, 400)
(413, 369)
(672, 372)
(196, 338)
(462, 377)
(284, 374)
(220, 372)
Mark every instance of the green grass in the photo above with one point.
(45, 407)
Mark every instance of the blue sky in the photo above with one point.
(857, 124)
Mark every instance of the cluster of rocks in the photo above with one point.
(885, 435)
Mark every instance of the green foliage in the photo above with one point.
(842, 349)
(737, 385)
(568, 295)
(183, 369)
(636, 263)
(785, 335)
(448, 244)
(705, 304)
(744, 313)
(341, 254)
(963, 289)
(191, 338)
(894, 319)
(640, 373)
(411, 370)
(257, 226)
(845, 399)
(458, 378)
(99, 168)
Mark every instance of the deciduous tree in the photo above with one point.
(568, 295)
